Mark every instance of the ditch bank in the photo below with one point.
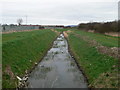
(22, 81)
(58, 69)
(73, 56)
(94, 64)
(23, 53)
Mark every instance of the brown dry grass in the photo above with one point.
(9, 72)
(111, 51)
(69, 31)
(110, 80)
(55, 31)
(66, 33)
(91, 31)
(115, 34)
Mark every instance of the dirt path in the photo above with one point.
(57, 69)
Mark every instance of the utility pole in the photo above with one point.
(26, 19)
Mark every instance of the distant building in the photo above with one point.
(48, 26)
(53, 27)
(12, 27)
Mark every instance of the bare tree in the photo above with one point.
(19, 21)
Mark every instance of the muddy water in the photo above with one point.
(57, 69)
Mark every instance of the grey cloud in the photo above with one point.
(58, 12)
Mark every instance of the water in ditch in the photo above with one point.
(57, 69)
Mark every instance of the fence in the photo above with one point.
(53, 27)
(1, 28)
(17, 28)
(10, 28)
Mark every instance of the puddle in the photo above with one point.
(57, 69)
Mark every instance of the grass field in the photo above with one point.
(100, 69)
(105, 40)
(61, 30)
(20, 51)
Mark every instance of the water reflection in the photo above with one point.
(57, 69)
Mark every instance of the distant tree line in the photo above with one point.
(101, 27)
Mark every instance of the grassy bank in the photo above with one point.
(61, 30)
(105, 40)
(21, 50)
(100, 69)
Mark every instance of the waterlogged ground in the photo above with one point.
(57, 69)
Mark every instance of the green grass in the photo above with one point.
(91, 61)
(0, 61)
(21, 47)
(61, 30)
(105, 40)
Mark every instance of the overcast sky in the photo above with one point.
(61, 12)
